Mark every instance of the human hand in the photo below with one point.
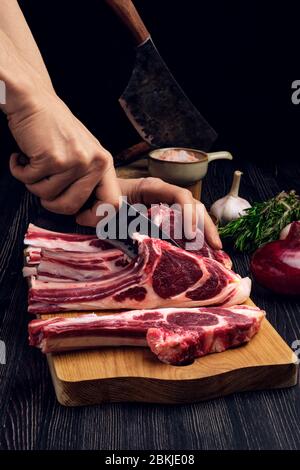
(154, 191)
(66, 162)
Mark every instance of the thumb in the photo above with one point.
(88, 217)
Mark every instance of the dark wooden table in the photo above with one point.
(30, 416)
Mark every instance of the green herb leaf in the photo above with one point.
(263, 221)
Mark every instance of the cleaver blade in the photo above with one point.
(153, 101)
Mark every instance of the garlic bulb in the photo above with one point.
(284, 232)
(230, 207)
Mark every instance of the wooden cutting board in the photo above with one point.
(136, 375)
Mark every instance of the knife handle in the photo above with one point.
(127, 12)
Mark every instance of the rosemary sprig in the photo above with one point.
(263, 221)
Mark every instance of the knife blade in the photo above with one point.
(120, 229)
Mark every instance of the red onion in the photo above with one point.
(276, 265)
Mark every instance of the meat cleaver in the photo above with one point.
(153, 101)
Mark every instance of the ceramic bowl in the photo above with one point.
(182, 173)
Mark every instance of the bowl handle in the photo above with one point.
(219, 155)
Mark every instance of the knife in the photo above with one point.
(124, 224)
(127, 221)
(153, 101)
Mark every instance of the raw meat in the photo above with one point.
(42, 238)
(72, 266)
(33, 255)
(69, 257)
(63, 257)
(162, 275)
(162, 214)
(175, 336)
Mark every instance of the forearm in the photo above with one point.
(19, 77)
(14, 25)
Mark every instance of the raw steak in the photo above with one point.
(162, 275)
(175, 336)
(171, 219)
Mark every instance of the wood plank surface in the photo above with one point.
(31, 417)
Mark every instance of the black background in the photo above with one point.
(235, 59)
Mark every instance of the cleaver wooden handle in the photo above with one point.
(131, 154)
(127, 12)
